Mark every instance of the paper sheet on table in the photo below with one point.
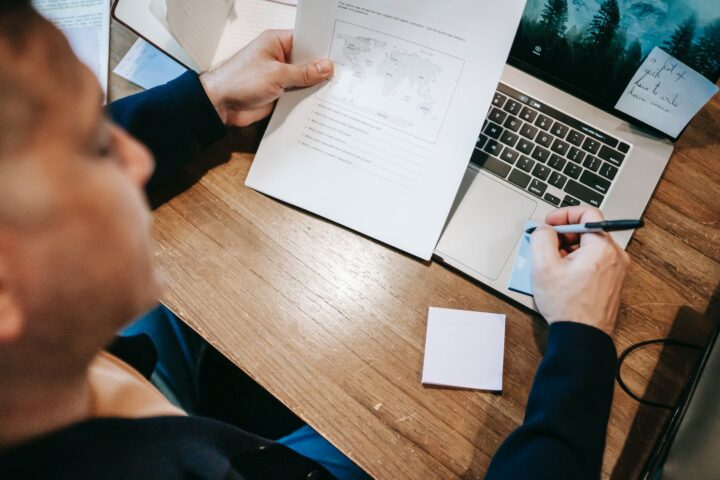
(521, 276)
(87, 26)
(382, 147)
(665, 93)
(147, 67)
(464, 349)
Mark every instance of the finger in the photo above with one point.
(305, 75)
(285, 37)
(573, 215)
(545, 248)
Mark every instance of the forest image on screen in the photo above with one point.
(597, 45)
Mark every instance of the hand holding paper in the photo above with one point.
(244, 89)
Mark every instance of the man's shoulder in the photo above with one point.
(119, 447)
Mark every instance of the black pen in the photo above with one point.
(592, 227)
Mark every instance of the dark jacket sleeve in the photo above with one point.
(175, 121)
(563, 434)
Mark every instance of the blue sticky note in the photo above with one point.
(521, 276)
(148, 67)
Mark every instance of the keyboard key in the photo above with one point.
(549, 197)
(560, 147)
(525, 164)
(499, 99)
(557, 180)
(537, 187)
(525, 146)
(491, 164)
(493, 148)
(513, 123)
(559, 129)
(612, 156)
(509, 138)
(608, 171)
(497, 116)
(623, 147)
(513, 107)
(557, 162)
(543, 122)
(595, 181)
(544, 139)
(576, 155)
(541, 171)
(509, 155)
(575, 137)
(528, 131)
(592, 163)
(521, 179)
(481, 141)
(584, 193)
(591, 145)
(572, 170)
(569, 201)
(528, 114)
(540, 154)
(492, 130)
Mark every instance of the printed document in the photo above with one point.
(87, 27)
(382, 146)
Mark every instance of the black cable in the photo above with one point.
(632, 348)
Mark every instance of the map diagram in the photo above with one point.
(398, 83)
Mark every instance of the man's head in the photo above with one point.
(75, 249)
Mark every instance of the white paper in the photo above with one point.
(665, 93)
(213, 30)
(382, 147)
(464, 349)
(147, 67)
(86, 24)
(247, 20)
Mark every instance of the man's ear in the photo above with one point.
(12, 320)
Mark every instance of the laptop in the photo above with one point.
(553, 138)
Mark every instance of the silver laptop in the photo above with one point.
(552, 136)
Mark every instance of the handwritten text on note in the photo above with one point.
(665, 93)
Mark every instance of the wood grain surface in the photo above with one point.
(333, 323)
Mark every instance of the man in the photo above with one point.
(75, 267)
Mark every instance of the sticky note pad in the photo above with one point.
(464, 349)
(148, 67)
(521, 276)
(665, 93)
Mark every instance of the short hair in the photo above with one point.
(19, 108)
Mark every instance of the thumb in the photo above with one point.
(307, 75)
(545, 248)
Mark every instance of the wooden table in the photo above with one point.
(333, 324)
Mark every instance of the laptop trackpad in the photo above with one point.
(486, 226)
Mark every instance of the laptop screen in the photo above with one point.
(593, 48)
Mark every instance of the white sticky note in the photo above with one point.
(147, 67)
(464, 349)
(665, 93)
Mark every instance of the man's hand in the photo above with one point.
(244, 89)
(577, 278)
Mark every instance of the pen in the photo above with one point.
(590, 227)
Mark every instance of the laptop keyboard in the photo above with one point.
(547, 152)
